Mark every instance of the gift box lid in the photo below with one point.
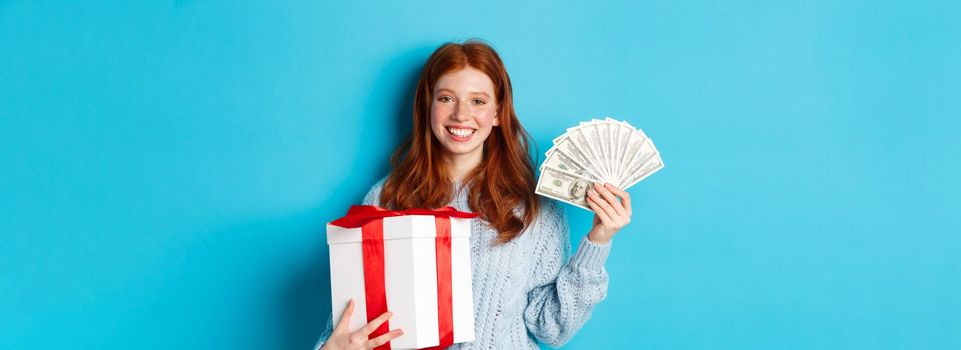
(400, 227)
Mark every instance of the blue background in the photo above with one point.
(168, 166)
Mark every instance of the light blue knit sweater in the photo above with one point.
(526, 290)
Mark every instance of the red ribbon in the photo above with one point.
(370, 219)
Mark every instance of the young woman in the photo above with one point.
(467, 149)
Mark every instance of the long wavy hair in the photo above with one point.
(503, 181)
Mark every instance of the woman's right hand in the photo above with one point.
(342, 339)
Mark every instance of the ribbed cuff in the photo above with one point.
(590, 255)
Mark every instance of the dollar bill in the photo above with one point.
(650, 167)
(622, 138)
(595, 142)
(603, 140)
(567, 147)
(582, 143)
(557, 159)
(564, 187)
(644, 152)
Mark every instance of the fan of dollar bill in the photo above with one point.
(602, 151)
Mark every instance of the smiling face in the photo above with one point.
(463, 112)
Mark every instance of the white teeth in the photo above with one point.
(461, 132)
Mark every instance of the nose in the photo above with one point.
(461, 112)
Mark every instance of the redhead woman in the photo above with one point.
(467, 149)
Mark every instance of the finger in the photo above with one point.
(602, 203)
(598, 211)
(373, 325)
(384, 338)
(611, 199)
(625, 197)
(345, 318)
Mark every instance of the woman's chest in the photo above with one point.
(506, 266)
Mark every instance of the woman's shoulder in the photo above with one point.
(373, 195)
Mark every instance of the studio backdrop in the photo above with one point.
(168, 166)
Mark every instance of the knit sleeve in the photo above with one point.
(371, 198)
(565, 291)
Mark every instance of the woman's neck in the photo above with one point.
(462, 164)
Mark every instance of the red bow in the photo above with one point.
(358, 215)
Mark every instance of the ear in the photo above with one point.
(497, 121)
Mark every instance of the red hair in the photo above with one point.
(503, 181)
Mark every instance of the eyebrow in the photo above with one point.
(474, 92)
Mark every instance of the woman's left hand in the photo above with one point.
(610, 214)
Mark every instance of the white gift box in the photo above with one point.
(410, 277)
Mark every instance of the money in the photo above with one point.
(597, 151)
(560, 161)
(563, 186)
